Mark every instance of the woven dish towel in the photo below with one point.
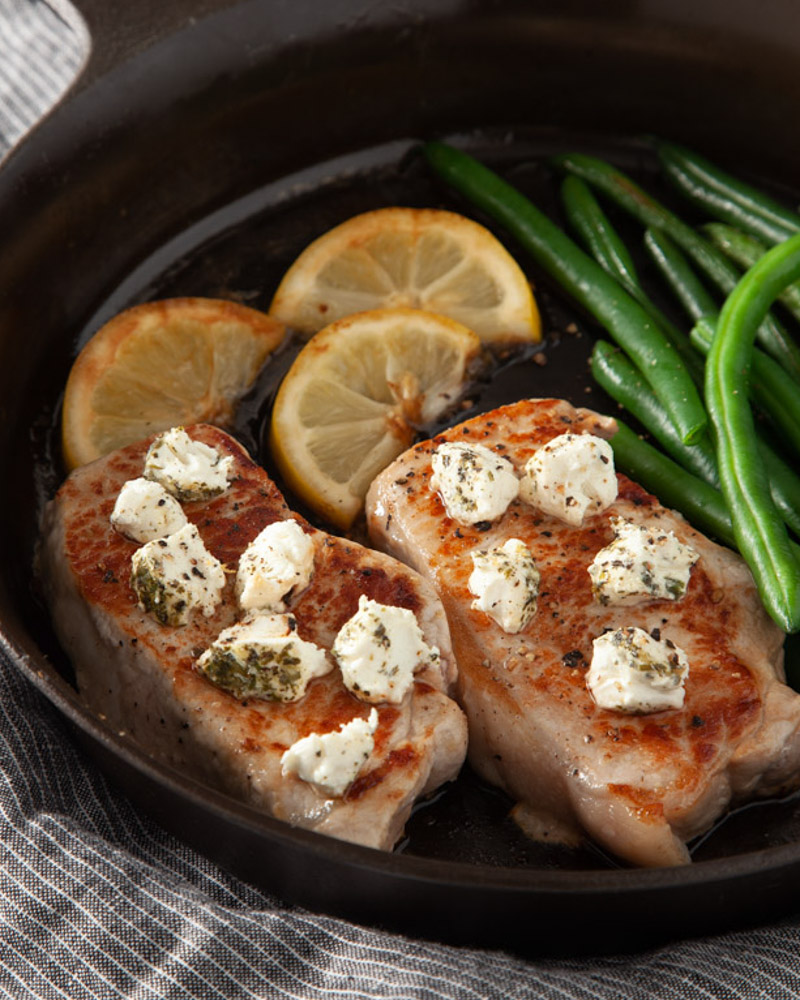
(98, 901)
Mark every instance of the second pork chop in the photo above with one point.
(640, 785)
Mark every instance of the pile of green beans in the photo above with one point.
(770, 386)
(728, 478)
(774, 390)
(725, 197)
(722, 272)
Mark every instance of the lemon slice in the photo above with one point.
(351, 402)
(161, 364)
(409, 257)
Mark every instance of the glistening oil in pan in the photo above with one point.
(241, 251)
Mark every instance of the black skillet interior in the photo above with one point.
(201, 163)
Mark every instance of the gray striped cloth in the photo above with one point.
(98, 901)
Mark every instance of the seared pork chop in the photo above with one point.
(142, 678)
(640, 785)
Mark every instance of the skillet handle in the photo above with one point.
(119, 29)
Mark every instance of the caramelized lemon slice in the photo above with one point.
(354, 396)
(161, 364)
(406, 257)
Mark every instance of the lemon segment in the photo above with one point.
(415, 258)
(161, 364)
(354, 397)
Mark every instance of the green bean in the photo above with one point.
(703, 334)
(714, 264)
(745, 251)
(701, 504)
(614, 373)
(738, 246)
(676, 270)
(759, 529)
(608, 249)
(775, 392)
(725, 197)
(585, 280)
(784, 486)
(598, 235)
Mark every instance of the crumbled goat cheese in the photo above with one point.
(571, 477)
(264, 657)
(175, 576)
(475, 484)
(331, 761)
(144, 511)
(642, 563)
(278, 563)
(634, 672)
(505, 582)
(188, 469)
(378, 650)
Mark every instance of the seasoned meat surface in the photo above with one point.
(141, 676)
(640, 785)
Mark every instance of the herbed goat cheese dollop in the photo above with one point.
(331, 761)
(264, 657)
(475, 484)
(378, 651)
(641, 564)
(144, 511)
(505, 582)
(570, 477)
(277, 564)
(637, 672)
(175, 576)
(188, 469)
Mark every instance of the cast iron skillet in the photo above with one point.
(204, 144)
